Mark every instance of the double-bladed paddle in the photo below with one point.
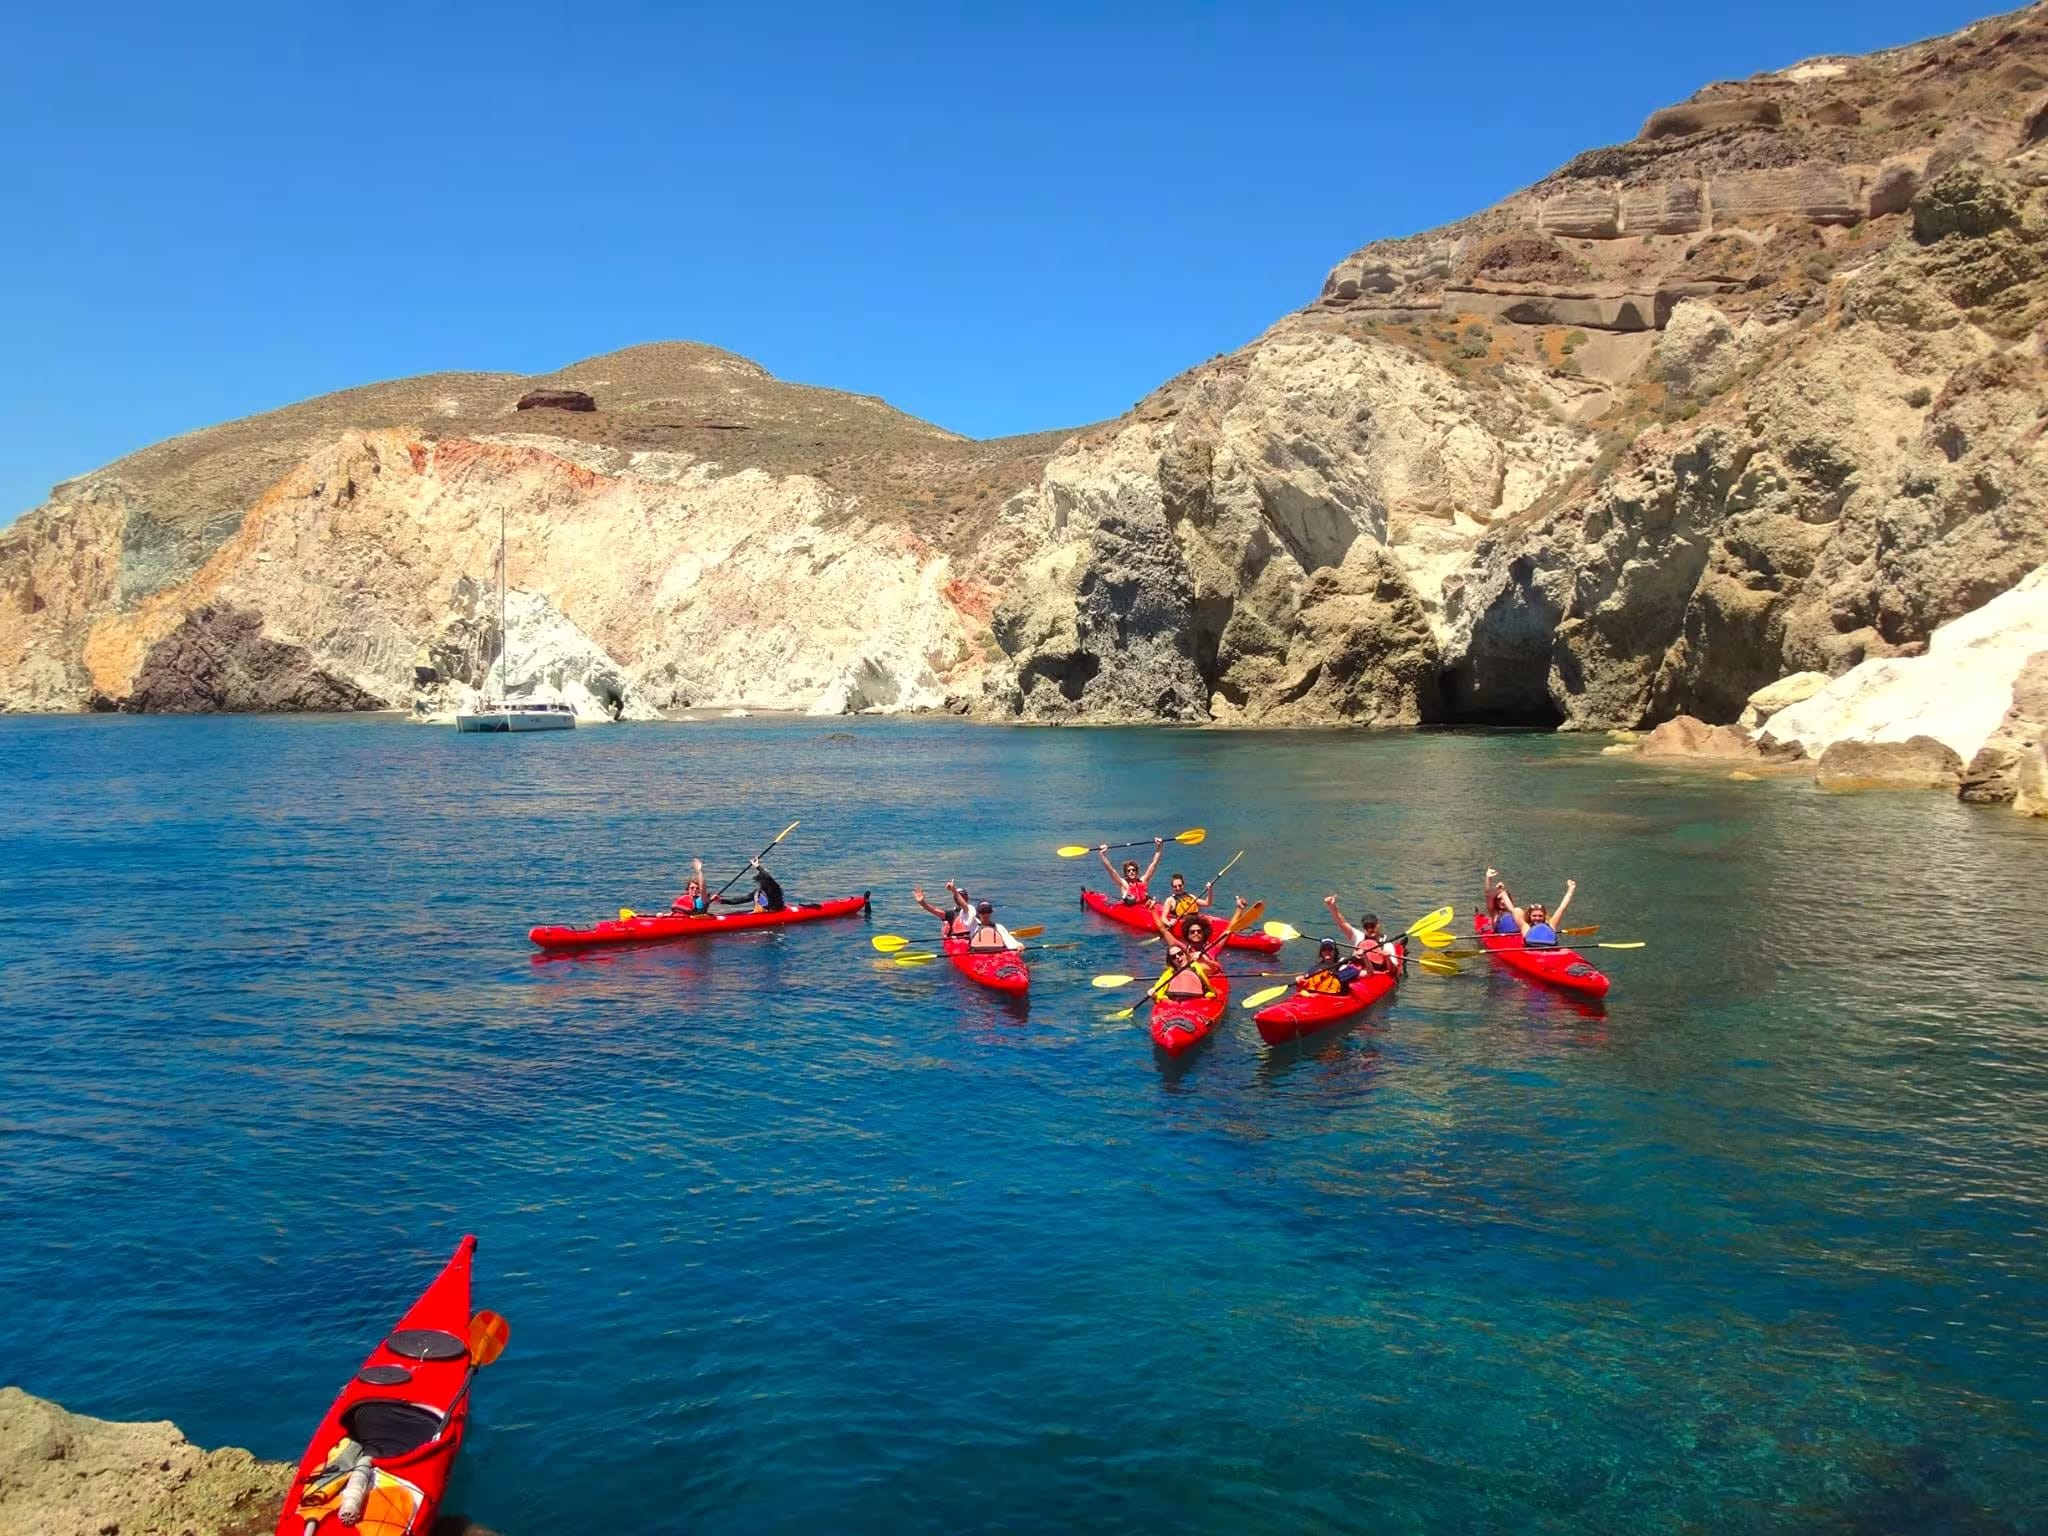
(1192, 836)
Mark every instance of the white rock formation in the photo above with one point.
(1958, 693)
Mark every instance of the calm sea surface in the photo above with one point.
(793, 1241)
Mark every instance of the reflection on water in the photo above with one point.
(796, 1239)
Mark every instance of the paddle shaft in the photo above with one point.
(757, 858)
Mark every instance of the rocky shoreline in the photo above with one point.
(65, 1474)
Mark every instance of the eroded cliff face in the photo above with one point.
(707, 536)
(1759, 392)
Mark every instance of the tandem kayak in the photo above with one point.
(406, 1408)
(1181, 1023)
(1306, 1012)
(1565, 969)
(652, 926)
(1140, 917)
(1000, 970)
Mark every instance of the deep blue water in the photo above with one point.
(793, 1242)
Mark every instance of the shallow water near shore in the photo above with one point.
(792, 1240)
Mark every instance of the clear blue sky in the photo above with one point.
(1002, 218)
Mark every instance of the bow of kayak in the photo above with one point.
(1565, 969)
(650, 927)
(1306, 1012)
(1179, 1024)
(1000, 970)
(407, 1407)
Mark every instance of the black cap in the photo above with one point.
(1368, 919)
(984, 906)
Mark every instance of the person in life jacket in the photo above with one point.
(1332, 973)
(696, 897)
(1180, 903)
(1198, 944)
(1133, 889)
(986, 933)
(766, 896)
(954, 921)
(1371, 950)
(1537, 924)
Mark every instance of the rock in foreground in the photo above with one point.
(63, 1474)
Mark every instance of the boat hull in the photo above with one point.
(418, 1391)
(1565, 969)
(1307, 1012)
(1141, 918)
(659, 927)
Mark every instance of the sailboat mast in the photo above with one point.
(504, 634)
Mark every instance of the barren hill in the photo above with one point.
(1759, 391)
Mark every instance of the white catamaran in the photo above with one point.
(503, 713)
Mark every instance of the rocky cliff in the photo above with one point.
(1759, 392)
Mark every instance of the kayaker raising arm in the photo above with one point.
(986, 933)
(1369, 947)
(767, 895)
(696, 897)
(1538, 924)
(1132, 887)
(1180, 902)
(1189, 963)
(952, 924)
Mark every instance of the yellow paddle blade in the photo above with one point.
(785, 832)
(1580, 933)
(1073, 851)
(1437, 965)
(1623, 944)
(1028, 933)
(915, 959)
(1192, 836)
(488, 1335)
(889, 943)
(1436, 938)
(1263, 996)
(1106, 982)
(1279, 930)
(1122, 1013)
(1437, 919)
(627, 914)
(1247, 917)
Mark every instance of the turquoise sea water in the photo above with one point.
(793, 1242)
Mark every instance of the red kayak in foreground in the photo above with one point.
(389, 1442)
(1565, 969)
(1000, 970)
(1179, 1024)
(1141, 918)
(649, 927)
(1306, 1012)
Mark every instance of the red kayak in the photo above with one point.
(387, 1445)
(648, 927)
(1000, 970)
(1140, 917)
(1565, 969)
(1306, 1012)
(1181, 1023)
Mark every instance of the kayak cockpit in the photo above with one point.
(389, 1427)
(426, 1344)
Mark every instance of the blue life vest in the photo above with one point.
(1504, 923)
(1541, 934)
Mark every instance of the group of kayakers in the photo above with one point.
(1194, 940)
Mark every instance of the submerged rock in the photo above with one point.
(1919, 762)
